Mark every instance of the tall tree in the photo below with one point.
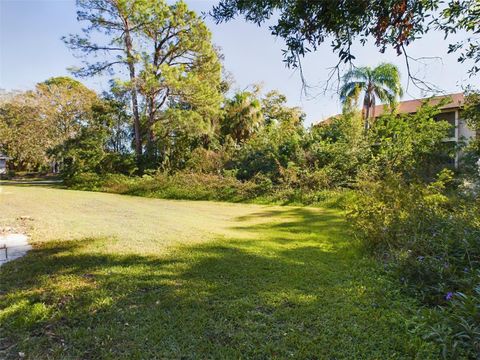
(173, 68)
(275, 109)
(24, 136)
(116, 21)
(66, 104)
(34, 123)
(382, 82)
(181, 72)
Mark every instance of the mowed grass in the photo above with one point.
(118, 277)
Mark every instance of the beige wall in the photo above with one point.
(464, 132)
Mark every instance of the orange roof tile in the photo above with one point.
(411, 106)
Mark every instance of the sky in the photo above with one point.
(31, 51)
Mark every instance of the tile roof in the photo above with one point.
(411, 106)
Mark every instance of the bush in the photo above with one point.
(207, 161)
(197, 186)
(336, 149)
(85, 181)
(428, 235)
(456, 326)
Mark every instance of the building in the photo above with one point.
(3, 164)
(450, 112)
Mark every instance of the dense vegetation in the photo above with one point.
(173, 128)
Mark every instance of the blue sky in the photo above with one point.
(31, 51)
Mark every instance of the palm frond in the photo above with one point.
(351, 90)
(388, 76)
(362, 73)
(386, 96)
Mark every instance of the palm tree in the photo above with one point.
(382, 82)
(243, 116)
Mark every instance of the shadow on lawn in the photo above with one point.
(285, 293)
(47, 183)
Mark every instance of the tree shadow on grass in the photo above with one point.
(44, 183)
(271, 292)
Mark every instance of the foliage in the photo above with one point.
(426, 232)
(400, 215)
(66, 103)
(471, 113)
(189, 185)
(411, 145)
(96, 147)
(273, 150)
(174, 70)
(207, 161)
(456, 326)
(180, 79)
(471, 110)
(428, 238)
(243, 116)
(304, 26)
(336, 149)
(275, 109)
(463, 16)
(382, 82)
(114, 110)
(36, 122)
(115, 22)
(24, 137)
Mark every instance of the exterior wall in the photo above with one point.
(464, 132)
(460, 133)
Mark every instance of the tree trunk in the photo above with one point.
(151, 138)
(133, 91)
(366, 111)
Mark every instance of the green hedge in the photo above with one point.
(196, 186)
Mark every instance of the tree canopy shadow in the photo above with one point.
(277, 292)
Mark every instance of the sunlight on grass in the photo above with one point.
(177, 279)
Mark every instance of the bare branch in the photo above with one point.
(412, 78)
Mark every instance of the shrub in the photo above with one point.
(85, 181)
(207, 161)
(270, 152)
(456, 326)
(429, 237)
(335, 150)
(198, 186)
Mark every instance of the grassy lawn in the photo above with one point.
(115, 277)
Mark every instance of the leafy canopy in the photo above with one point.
(305, 25)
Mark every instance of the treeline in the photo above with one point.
(253, 137)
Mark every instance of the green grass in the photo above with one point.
(114, 277)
